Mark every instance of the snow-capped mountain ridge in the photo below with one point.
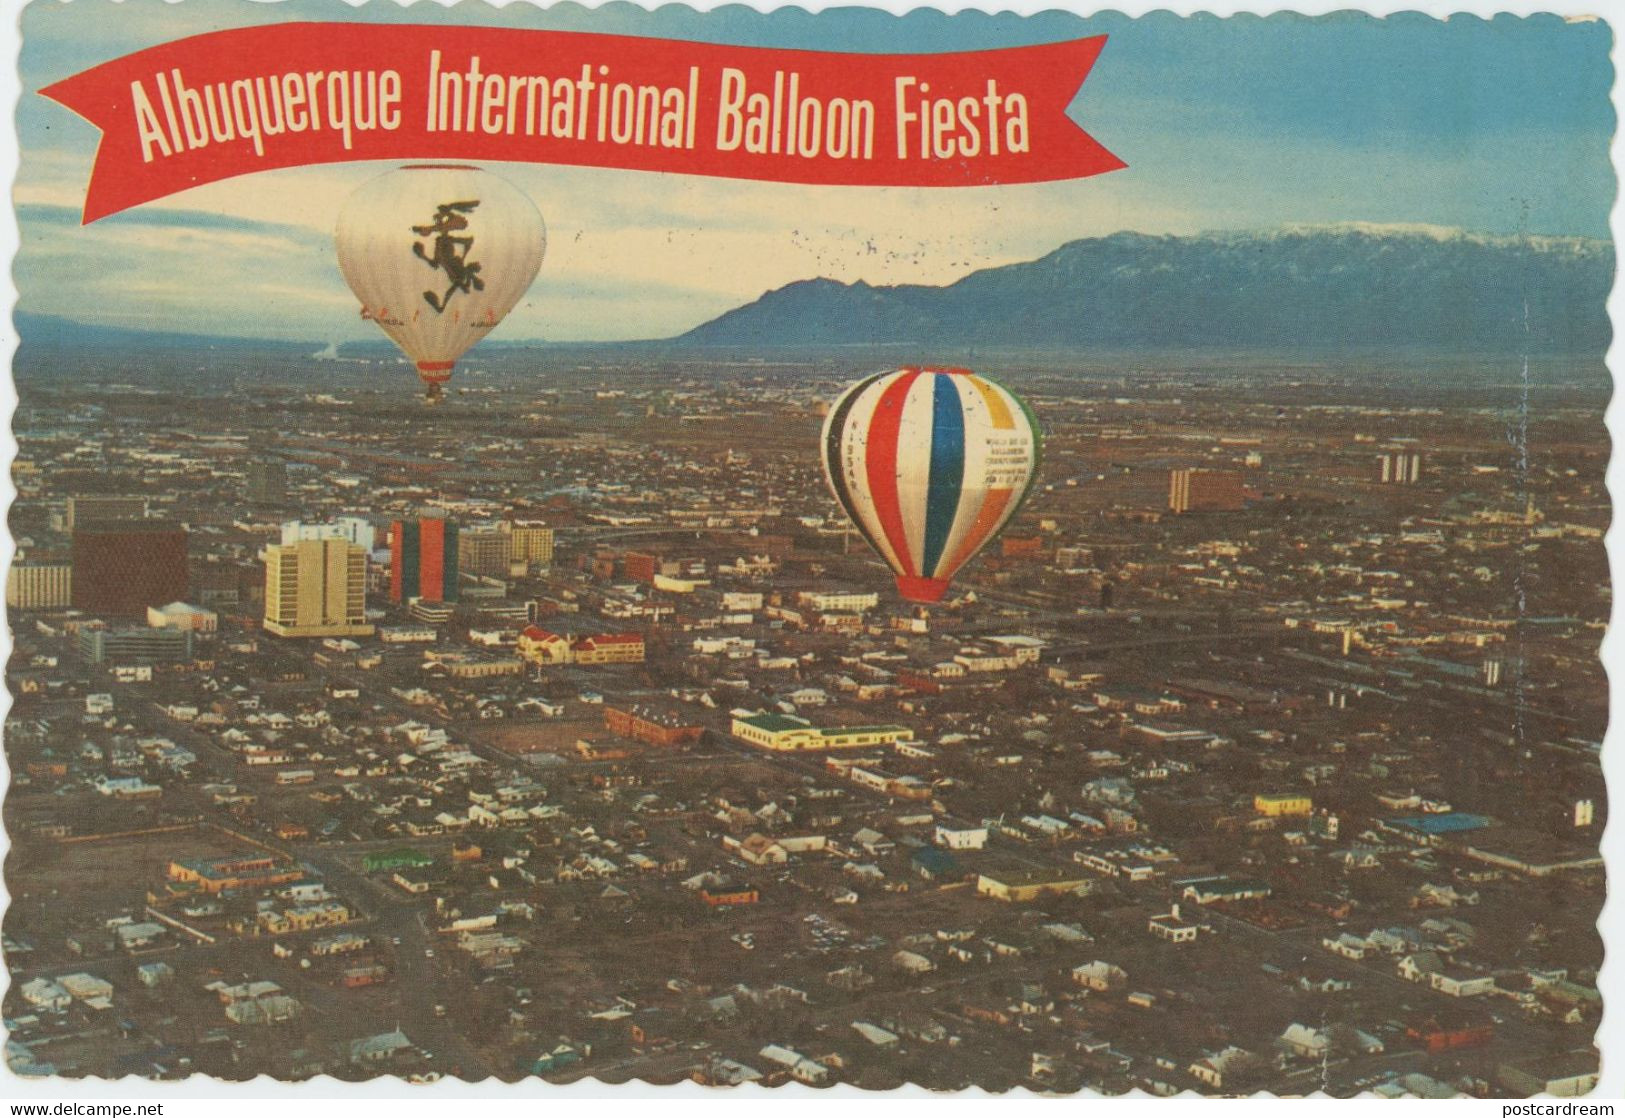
(1352, 285)
(1421, 231)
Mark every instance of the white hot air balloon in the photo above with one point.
(438, 255)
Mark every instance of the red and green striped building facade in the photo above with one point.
(423, 560)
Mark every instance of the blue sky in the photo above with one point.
(1497, 126)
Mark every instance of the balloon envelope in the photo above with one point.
(930, 464)
(438, 255)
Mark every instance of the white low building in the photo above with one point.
(801, 1068)
(42, 993)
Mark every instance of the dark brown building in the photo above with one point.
(122, 567)
(1205, 491)
(640, 565)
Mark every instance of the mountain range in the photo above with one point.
(1315, 289)
(53, 332)
(1312, 289)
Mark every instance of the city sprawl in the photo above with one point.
(569, 729)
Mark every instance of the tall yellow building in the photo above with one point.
(39, 586)
(316, 588)
(529, 542)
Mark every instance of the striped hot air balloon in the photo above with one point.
(930, 464)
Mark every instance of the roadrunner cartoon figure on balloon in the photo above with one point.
(438, 255)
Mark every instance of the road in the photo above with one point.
(419, 984)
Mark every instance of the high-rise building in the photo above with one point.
(316, 588)
(1205, 491)
(39, 586)
(530, 541)
(357, 529)
(83, 511)
(483, 551)
(423, 560)
(640, 566)
(1400, 467)
(122, 567)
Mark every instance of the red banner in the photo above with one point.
(228, 103)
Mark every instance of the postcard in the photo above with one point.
(1054, 553)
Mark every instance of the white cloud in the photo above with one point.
(630, 255)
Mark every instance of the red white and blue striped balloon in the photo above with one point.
(930, 464)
